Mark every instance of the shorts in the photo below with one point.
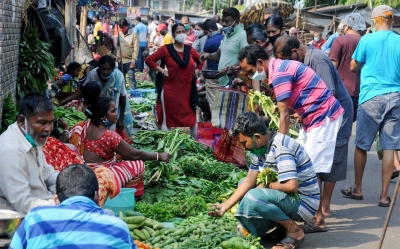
(381, 113)
(339, 166)
(320, 143)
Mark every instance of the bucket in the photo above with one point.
(124, 201)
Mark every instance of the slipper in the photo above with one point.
(312, 228)
(385, 204)
(395, 174)
(290, 243)
(276, 235)
(349, 193)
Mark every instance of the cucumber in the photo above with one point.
(132, 213)
(134, 236)
(178, 232)
(149, 222)
(139, 234)
(133, 219)
(134, 226)
(151, 231)
(146, 233)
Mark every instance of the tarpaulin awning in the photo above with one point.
(255, 12)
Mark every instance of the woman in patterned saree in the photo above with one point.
(98, 144)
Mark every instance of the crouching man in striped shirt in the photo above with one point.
(262, 207)
(77, 221)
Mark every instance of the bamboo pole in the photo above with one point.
(83, 22)
(297, 15)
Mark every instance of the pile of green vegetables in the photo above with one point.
(145, 104)
(200, 231)
(70, 115)
(182, 187)
(145, 85)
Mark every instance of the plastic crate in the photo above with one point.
(135, 93)
(124, 201)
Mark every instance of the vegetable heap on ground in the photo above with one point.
(70, 115)
(201, 231)
(145, 104)
(182, 187)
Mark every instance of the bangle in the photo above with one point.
(157, 156)
(163, 71)
(66, 132)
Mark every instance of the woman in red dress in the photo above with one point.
(176, 82)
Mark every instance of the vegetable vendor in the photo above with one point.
(264, 206)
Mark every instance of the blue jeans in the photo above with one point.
(381, 113)
(131, 73)
(140, 61)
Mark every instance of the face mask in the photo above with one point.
(27, 136)
(107, 123)
(106, 77)
(260, 151)
(228, 30)
(180, 38)
(273, 38)
(259, 76)
(316, 39)
(212, 34)
(163, 32)
(157, 22)
(198, 33)
(187, 26)
(373, 26)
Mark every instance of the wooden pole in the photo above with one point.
(230, 4)
(83, 22)
(297, 15)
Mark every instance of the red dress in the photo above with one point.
(176, 88)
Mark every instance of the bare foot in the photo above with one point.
(318, 221)
(326, 210)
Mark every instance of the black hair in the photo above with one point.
(145, 53)
(254, 26)
(218, 18)
(252, 53)
(248, 124)
(257, 34)
(175, 26)
(97, 17)
(138, 19)
(276, 21)
(157, 18)
(94, 63)
(106, 59)
(123, 23)
(289, 43)
(33, 103)
(76, 180)
(55, 132)
(73, 66)
(98, 109)
(273, 11)
(210, 24)
(232, 12)
(91, 91)
(200, 24)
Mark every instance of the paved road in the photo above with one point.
(358, 224)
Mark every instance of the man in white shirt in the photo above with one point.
(153, 28)
(26, 180)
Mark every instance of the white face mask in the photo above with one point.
(198, 33)
(180, 38)
(259, 76)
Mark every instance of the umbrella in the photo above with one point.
(255, 12)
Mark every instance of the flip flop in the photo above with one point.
(349, 193)
(290, 243)
(312, 228)
(395, 174)
(385, 204)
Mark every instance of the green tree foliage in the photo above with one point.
(221, 4)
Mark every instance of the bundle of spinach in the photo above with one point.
(269, 175)
(70, 115)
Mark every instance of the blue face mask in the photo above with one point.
(316, 39)
(107, 77)
(27, 136)
(228, 30)
(107, 123)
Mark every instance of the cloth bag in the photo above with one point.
(207, 134)
(229, 103)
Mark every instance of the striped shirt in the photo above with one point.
(291, 161)
(308, 95)
(76, 223)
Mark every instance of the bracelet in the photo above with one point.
(157, 156)
(163, 71)
(66, 132)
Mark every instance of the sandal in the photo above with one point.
(289, 243)
(312, 228)
(349, 193)
(394, 175)
(385, 204)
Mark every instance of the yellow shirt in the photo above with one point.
(167, 39)
(97, 28)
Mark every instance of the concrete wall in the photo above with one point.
(10, 32)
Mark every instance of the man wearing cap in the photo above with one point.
(326, 47)
(378, 57)
(163, 29)
(342, 49)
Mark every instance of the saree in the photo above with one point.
(59, 156)
(123, 171)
